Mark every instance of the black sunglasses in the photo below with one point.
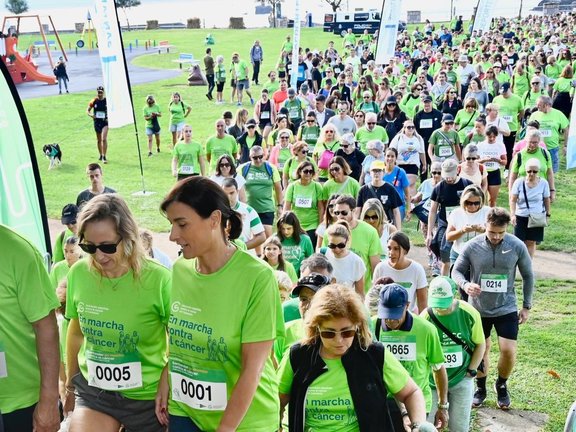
(225, 165)
(257, 157)
(472, 203)
(329, 334)
(339, 245)
(436, 172)
(307, 171)
(367, 217)
(335, 169)
(341, 212)
(104, 248)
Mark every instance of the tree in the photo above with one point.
(334, 4)
(16, 6)
(125, 5)
(274, 4)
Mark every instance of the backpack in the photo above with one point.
(519, 157)
(267, 166)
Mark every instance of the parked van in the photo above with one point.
(358, 21)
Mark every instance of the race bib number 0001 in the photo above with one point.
(452, 356)
(494, 283)
(202, 395)
(111, 376)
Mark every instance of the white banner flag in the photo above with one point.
(484, 13)
(118, 100)
(571, 144)
(388, 32)
(296, 45)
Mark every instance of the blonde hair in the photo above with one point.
(339, 229)
(113, 208)
(375, 205)
(284, 284)
(336, 301)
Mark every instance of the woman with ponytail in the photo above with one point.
(223, 314)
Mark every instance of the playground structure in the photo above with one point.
(87, 29)
(23, 68)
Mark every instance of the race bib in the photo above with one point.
(508, 118)
(302, 202)
(264, 115)
(452, 356)
(100, 114)
(186, 169)
(545, 133)
(403, 348)
(494, 283)
(113, 371)
(444, 151)
(200, 389)
(3, 368)
(294, 113)
(427, 204)
(426, 123)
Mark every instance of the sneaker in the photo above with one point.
(67, 91)
(506, 172)
(503, 397)
(100, 158)
(479, 398)
(104, 160)
(239, 104)
(157, 149)
(436, 270)
(252, 101)
(149, 154)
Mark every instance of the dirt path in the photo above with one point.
(547, 264)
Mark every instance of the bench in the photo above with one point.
(164, 45)
(186, 58)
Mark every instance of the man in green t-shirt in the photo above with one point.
(552, 123)
(295, 108)
(511, 110)
(242, 82)
(371, 131)
(28, 331)
(415, 343)
(220, 144)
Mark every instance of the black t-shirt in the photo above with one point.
(86, 195)
(355, 160)
(387, 194)
(448, 196)
(100, 107)
(424, 128)
(317, 77)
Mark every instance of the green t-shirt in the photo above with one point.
(58, 272)
(177, 112)
(417, 349)
(465, 121)
(350, 186)
(408, 104)
(238, 304)
(474, 139)
(510, 107)
(123, 321)
(466, 322)
(26, 297)
(289, 270)
(365, 243)
(551, 124)
(241, 69)
(363, 135)
(216, 147)
(294, 108)
(304, 201)
(58, 250)
(503, 77)
(444, 142)
(291, 165)
(271, 86)
(284, 154)
(541, 154)
(260, 187)
(563, 85)
(148, 110)
(294, 333)
(368, 107)
(529, 99)
(329, 405)
(296, 253)
(553, 71)
(188, 155)
(309, 134)
(521, 84)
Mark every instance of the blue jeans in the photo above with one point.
(183, 424)
(460, 399)
(555, 159)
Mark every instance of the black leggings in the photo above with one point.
(509, 144)
(18, 421)
(312, 234)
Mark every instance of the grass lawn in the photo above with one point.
(63, 119)
(545, 344)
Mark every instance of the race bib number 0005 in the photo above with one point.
(114, 376)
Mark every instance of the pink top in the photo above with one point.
(521, 145)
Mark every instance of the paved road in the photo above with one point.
(85, 73)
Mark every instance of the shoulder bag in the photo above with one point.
(535, 220)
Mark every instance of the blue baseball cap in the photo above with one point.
(393, 299)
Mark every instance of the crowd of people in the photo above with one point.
(294, 287)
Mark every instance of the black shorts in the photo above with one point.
(506, 326)
(410, 168)
(220, 86)
(233, 83)
(494, 178)
(267, 218)
(99, 125)
(185, 176)
(522, 231)
(262, 124)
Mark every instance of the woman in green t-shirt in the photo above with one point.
(151, 114)
(464, 120)
(273, 256)
(296, 245)
(340, 182)
(337, 378)
(563, 91)
(225, 314)
(179, 110)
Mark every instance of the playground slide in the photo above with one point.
(27, 67)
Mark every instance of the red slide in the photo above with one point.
(21, 69)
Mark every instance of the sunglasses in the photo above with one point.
(532, 171)
(225, 165)
(284, 137)
(452, 92)
(339, 245)
(373, 218)
(472, 203)
(345, 145)
(341, 212)
(418, 88)
(329, 131)
(304, 151)
(104, 248)
(366, 97)
(309, 121)
(535, 83)
(359, 115)
(335, 169)
(307, 171)
(257, 157)
(370, 123)
(376, 170)
(436, 172)
(329, 334)
(471, 158)
(409, 127)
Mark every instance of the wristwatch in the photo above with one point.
(443, 406)
(415, 425)
(472, 373)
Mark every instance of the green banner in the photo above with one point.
(21, 200)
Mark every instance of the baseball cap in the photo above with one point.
(463, 58)
(251, 122)
(427, 99)
(441, 292)
(69, 214)
(378, 164)
(291, 91)
(393, 299)
(505, 87)
(449, 168)
(391, 100)
(447, 118)
(100, 88)
(497, 64)
(313, 281)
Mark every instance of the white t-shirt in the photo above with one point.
(344, 126)
(251, 223)
(412, 278)
(409, 149)
(495, 150)
(535, 196)
(460, 218)
(220, 179)
(347, 270)
(500, 123)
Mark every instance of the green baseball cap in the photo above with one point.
(441, 292)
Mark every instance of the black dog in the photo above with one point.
(53, 152)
